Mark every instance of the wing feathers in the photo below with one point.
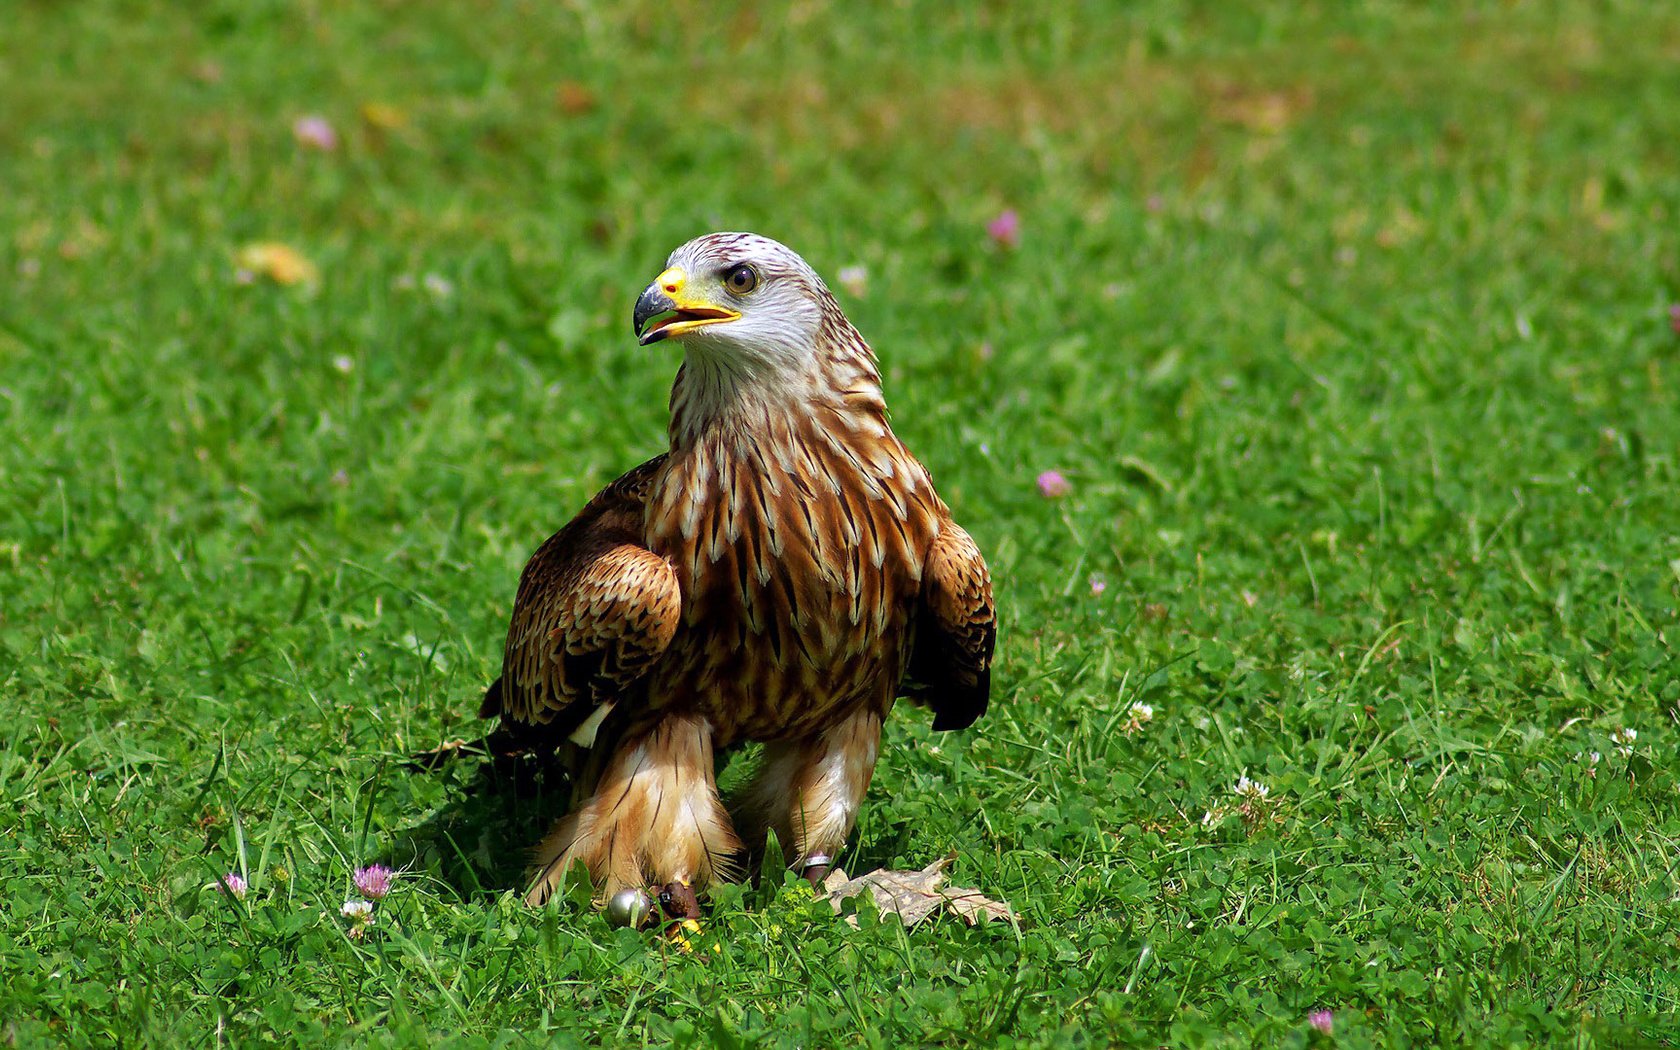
(595, 609)
(956, 629)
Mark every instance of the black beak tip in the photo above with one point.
(652, 302)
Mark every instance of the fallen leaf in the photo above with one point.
(972, 906)
(915, 895)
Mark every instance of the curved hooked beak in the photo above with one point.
(672, 311)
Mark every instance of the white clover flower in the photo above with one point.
(1623, 739)
(1252, 790)
(1136, 716)
(357, 911)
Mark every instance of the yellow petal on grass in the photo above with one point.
(383, 116)
(279, 263)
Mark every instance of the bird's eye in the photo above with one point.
(741, 280)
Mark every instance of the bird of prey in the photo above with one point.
(781, 575)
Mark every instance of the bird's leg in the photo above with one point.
(810, 790)
(653, 815)
(816, 868)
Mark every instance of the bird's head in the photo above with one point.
(739, 300)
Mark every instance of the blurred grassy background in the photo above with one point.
(1348, 324)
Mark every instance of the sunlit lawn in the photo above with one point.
(1349, 327)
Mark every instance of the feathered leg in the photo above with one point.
(653, 815)
(810, 790)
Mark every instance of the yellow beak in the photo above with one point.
(668, 303)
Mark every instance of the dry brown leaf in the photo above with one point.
(972, 906)
(574, 99)
(915, 895)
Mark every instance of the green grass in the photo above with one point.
(1348, 324)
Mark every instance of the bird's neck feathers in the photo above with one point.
(720, 390)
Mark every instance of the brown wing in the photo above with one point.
(950, 667)
(595, 609)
